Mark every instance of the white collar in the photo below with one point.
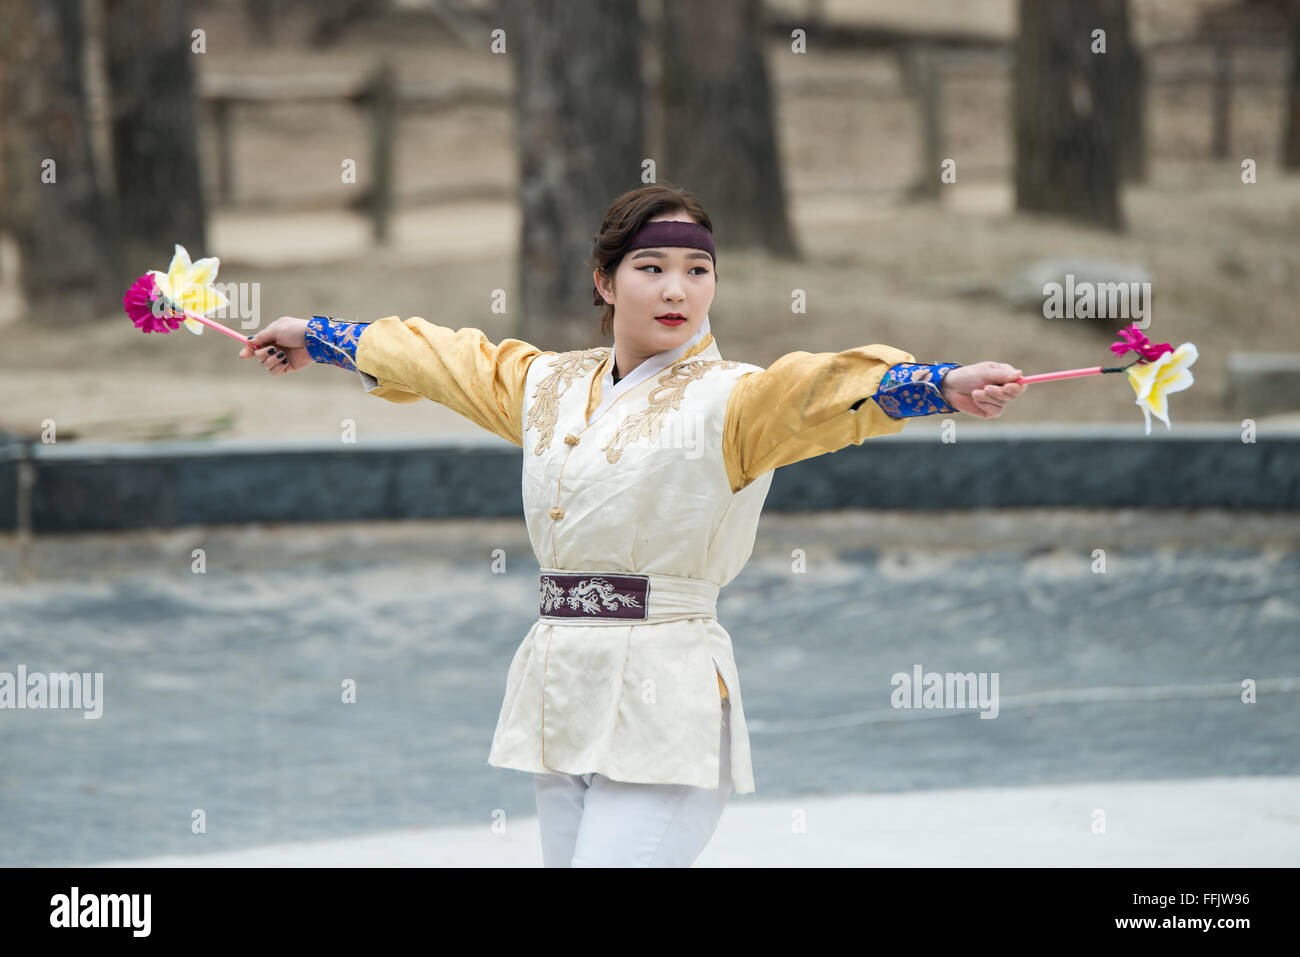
(661, 360)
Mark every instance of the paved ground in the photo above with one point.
(1118, 691)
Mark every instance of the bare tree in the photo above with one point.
(52, 199)
(1067, 114)
(719, 126)
(580, 143)
(1291, 136)
(155, 131)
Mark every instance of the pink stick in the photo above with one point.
(1064, 374)
(218, 326)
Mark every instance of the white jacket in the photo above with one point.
(643, 490)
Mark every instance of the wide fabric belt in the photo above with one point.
(605, 597)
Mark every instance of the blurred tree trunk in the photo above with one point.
(580, 140)
(1067, 118)
(719, 123)
(52, 201)
(155, 131)
(1291, 136)
(1127, 76)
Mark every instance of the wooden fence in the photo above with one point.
(378, 94)
(925, 65)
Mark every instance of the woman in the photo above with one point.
(645, 468)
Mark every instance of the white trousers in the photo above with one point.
(589, 820)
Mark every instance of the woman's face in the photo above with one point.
(656, 281)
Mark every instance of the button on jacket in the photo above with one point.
(662, 475)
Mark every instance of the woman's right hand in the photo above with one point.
(281, 347)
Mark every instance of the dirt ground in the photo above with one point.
(876, 266)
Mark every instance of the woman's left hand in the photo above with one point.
(983, 389)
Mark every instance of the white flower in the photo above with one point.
(188, 286)
(1153, 381)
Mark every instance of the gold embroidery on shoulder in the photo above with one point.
(672, 387)
(545, 409)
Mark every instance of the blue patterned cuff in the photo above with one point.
(334, 342)
(914, 388)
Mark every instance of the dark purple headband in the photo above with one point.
(672, 232)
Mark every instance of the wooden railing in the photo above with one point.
(379, 94)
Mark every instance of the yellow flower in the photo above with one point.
(1153, 381)
(188, 286)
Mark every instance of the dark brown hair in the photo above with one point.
(624, 219)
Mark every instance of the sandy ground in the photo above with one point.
(875, 267)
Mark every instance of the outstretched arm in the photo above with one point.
(808, 404)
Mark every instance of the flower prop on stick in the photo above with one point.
(1158, 370)
(160, 302)
(1155, 380)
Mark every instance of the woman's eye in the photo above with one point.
(704, 269)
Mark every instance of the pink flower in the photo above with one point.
(1139, 343)
(147, 307)
(161, 301)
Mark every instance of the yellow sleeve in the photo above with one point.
(458, 368)
(801, 406)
